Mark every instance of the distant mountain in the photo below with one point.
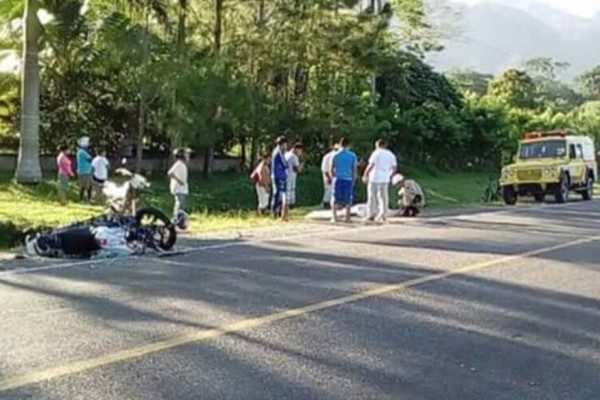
(491, 37)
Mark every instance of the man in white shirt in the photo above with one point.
(327, 178)
(382, 165)
(178, 175)
(294, 168)
(100, 168)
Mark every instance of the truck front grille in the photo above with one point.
(529, 175)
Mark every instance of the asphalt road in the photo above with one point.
(491, 305)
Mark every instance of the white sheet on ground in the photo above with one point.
(359, 210)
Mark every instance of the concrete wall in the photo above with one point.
(8, 163)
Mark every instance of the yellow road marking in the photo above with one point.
(146, 349)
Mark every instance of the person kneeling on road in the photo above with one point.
(412, 197)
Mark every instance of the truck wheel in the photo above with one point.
(562, 192)
(539, 197)
(509, 195)
(588, 192)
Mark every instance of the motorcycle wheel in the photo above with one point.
(165, 234)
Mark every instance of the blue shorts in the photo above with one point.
(343, 192)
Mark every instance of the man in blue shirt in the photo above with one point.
(344, 172)
(84, 169)
(279, 176)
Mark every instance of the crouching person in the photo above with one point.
(412, 197)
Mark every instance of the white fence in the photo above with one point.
(8, 163)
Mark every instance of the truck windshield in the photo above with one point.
(545, 149)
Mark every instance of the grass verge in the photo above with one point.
(223, 201)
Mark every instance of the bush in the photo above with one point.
(11, 235)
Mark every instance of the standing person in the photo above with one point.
(100, 168)
(84, 169)
(344, 173)
(327, 179)
(382, 165)
(279, 175)
(292, 158)
(65, 172)
(261, 176)
(178, 176)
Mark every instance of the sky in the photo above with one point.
(584, 8)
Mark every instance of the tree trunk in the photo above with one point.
(244, 152)
(218, 26)
(28, 165)
(177, 139)
(181, 28)
(139, 151)
(253, 151)
(261, 12)
(139, 147)
(376, 10)
(218, 33)
(208, 161)
(259, 81)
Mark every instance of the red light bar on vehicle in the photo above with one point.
(538, 135)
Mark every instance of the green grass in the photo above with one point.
(451, 190)
(223, 201)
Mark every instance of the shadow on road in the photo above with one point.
(465, 337)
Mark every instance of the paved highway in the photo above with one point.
(489, 305)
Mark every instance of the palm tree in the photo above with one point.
(28, 165)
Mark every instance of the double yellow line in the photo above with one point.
(251, 323)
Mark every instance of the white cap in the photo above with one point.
(397, 178)
(84, 141)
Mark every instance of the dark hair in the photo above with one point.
(63, 147)
(180, 154)
(281, 140)
(266, 156)
(344, 142)
(380, 143)
(298, 146)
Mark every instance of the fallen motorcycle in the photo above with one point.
(123, 229)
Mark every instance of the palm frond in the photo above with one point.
(11, 9)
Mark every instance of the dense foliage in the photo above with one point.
(225, 76)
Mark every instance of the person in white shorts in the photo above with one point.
(178, 175)
(292, 158)
(261, 176)
(382, 165)
(327, 178)
(100, 168)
